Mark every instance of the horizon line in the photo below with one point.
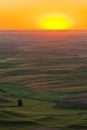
(42, 30)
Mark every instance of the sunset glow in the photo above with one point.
(26, 14)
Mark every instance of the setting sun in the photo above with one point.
(55, 22)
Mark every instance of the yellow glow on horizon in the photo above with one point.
(55, 22)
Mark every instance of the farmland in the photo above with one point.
(50, 76)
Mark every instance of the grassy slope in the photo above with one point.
(36, 114)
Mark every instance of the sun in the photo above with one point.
(54, 22)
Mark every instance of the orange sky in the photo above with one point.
(25, 14)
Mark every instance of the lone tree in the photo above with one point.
(20, 103)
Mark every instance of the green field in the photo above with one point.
(36, 113)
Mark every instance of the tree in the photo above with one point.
(20, 103)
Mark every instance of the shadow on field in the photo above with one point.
(70, 105)
(77, 127)
(19, 123)
(9, 106)
(45, 129)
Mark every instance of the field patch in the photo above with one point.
(50, 96)
(4, 65)
(15, 89)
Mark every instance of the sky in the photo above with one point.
(26, 14)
